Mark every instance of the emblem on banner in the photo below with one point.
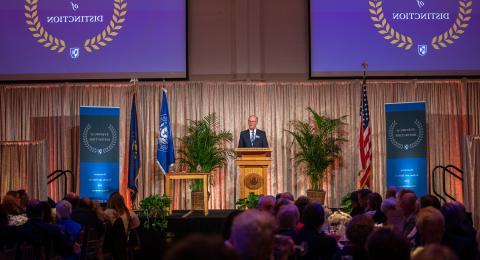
(422, 49)
(93, 140)
(394, 134)
(74, 53)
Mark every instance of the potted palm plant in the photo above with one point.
(202, 149)
(319, 142)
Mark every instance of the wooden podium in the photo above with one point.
(253, 164)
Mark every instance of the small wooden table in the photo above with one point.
(187, 176)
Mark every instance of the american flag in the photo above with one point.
(365, 138)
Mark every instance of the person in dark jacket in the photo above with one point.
(358, 230)
(318, 245)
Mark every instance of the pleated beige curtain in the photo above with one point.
(471, 166)
(24, 166)
(50, 112)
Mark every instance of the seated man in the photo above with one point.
(39, 234)
(64, 211)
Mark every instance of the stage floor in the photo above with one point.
(197, 222)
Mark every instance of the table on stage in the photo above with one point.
(188, 176)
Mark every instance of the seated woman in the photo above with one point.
(116, 208)
(120, 220)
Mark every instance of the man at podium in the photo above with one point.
(253, 137)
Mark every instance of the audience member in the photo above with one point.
(434, 252)
(407, 203)
(430, 201)
(301, 203)
(252, 234)
(116, 208)
(280, 203)
(11, 205)
(430, 226)
(359, 200)
(459, 233)
(201, 247)
(73, 198)
(86, 215)
(24, 198)
(374, 204)
(64, 211)
(48, 213)
(356, 210)
(358, 230)
(266, 203)
(7, 233)
(384, 244)
(391, 193)
(318, 244)
(40, 234)
(287, 219)
(287, 195)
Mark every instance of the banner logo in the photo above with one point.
(106, 140)
(395, 135)
(422, 49)
(74, 53)
(58, 45)
(404, 41)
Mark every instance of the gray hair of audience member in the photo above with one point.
(288, 217)
(435, 252)
(388, 204)
(430, 225)
(253, 234)
(64, 209)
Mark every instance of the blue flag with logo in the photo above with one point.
(133, 152)
(165, 149)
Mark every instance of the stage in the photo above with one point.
(196, 222)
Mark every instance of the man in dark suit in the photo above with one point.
(253, 137)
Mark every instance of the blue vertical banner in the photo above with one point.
(165, 149)
(407, 146)
(99, 152)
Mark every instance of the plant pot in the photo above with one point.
(197, 200)
(316, 196)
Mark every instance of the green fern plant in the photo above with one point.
(203, 149)
(154, 213)
(319, 142)
(250, 202)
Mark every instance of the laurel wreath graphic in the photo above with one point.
(101, 39)
(385, 29)
(454, 32)
(104, 150)
(46, 39)
(405, 147)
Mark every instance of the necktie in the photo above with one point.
(252, 137)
